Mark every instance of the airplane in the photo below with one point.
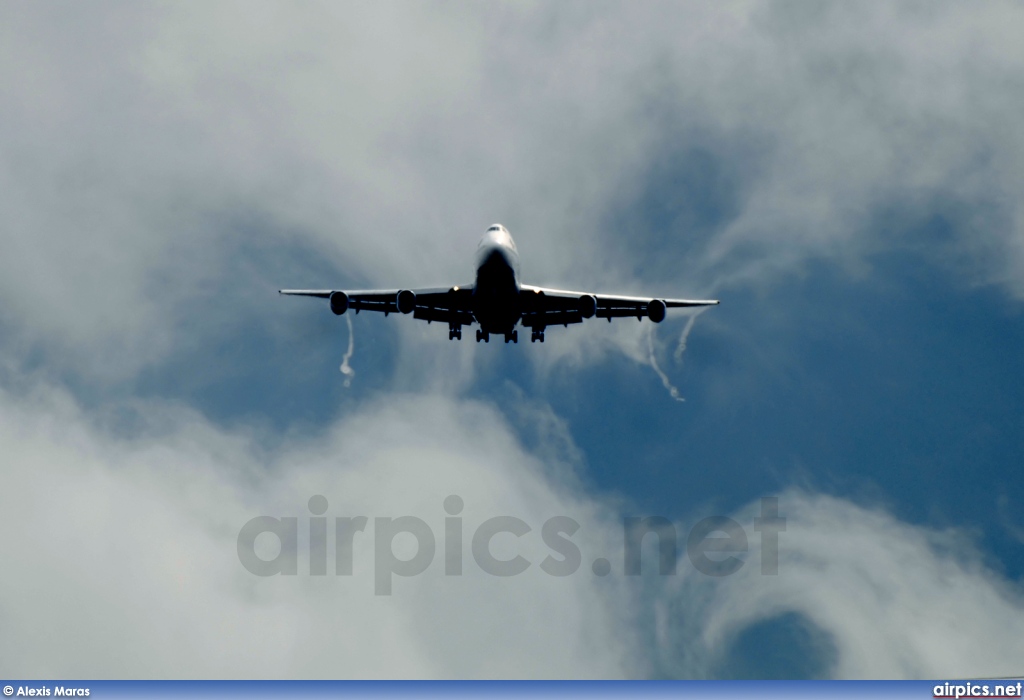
(497, 300)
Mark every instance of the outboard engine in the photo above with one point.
(339, 303)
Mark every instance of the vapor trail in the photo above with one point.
(681, 348)
(345, 368)
(673, 392)
(677, 355)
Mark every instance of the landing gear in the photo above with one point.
(454, 332)
(513, 337)
(537, 335)
(480, 335)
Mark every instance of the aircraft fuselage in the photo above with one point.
(496, 300)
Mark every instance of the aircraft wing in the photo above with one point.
(556, 307)
(445, 304)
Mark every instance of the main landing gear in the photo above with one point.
(455, 333)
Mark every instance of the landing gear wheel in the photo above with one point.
(513, 337)
(480, 335)
(537, 336)
(454, 332)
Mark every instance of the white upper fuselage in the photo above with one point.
(498, 242)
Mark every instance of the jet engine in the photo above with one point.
(656, 310)
(588, 305)
(339, 303)
(405, 300)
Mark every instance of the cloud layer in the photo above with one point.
(146, 147)
(122, 561)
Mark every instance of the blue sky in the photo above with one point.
(845, 180)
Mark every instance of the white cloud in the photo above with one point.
(121, 554)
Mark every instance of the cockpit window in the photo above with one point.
(493, 228)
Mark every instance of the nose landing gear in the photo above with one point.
(513, 337)
(454, 332)
(537, 335)
(480, 335)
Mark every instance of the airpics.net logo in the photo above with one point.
(961, 689)
(714, 546)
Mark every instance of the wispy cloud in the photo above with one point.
(893, 600)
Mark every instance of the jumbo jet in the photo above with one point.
(497, 300)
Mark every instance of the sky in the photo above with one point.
(845, 177)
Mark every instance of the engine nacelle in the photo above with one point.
(339, 303)
(588, 305)
(405, 300)
(656, 310)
